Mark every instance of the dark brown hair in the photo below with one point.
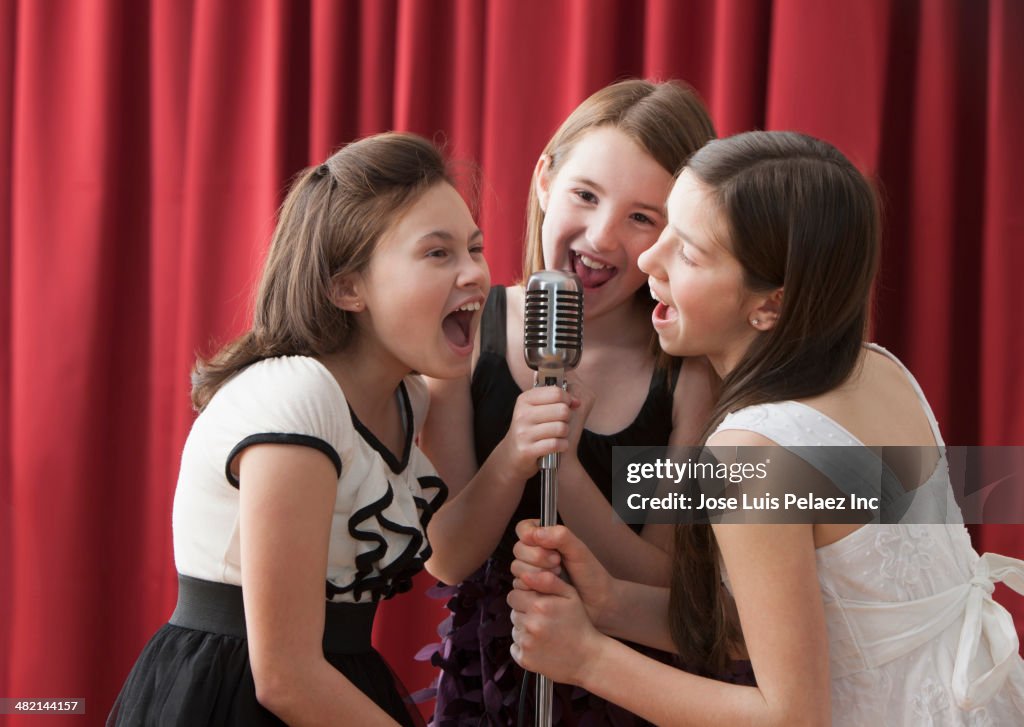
(328, 226)
(801, 217)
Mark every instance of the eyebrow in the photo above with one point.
(688, 240)
(598, 188)
(449, 237)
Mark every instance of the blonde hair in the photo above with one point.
(667, 120)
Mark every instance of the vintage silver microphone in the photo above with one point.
(553, 341)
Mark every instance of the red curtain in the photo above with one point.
(145, 144)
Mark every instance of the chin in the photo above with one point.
(672, 346)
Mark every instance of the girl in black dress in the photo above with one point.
(596, 203)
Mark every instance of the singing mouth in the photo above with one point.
(593, 273)
(457, 325)
(663, 311)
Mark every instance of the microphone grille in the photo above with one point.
(569, 318)
(535, 319)
(553, 320)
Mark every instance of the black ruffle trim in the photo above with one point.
(397, 576)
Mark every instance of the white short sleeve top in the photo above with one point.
(383, 501)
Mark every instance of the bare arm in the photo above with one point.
(619, 608)
(287, 499)
(468, 527)
(772, 569)
(773, 573)
(645, 559)
(447, 434)
(585, 510)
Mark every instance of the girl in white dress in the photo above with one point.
(766, 267)
(301, 500)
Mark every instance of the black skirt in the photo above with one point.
(195, 670)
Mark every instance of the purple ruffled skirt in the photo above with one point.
(480, 684)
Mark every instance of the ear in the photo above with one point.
(542, 180)
(765, 313)
(346, 292)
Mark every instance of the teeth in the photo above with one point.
(655, 296)
(591, 262)
(469, 306)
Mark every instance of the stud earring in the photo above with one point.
(755, 322)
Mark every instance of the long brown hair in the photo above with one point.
(801, 217)
(328, 226)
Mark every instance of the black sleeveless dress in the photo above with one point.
(479, 682)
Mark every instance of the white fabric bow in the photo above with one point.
(983, 617)
(881, 632)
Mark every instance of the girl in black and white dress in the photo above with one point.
(302, 500)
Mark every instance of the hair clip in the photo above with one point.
(322, 170)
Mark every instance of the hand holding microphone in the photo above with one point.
(553, 333)
(542, 422)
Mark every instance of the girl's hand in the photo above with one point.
(542, 553)
(551, 632)
(540, 426)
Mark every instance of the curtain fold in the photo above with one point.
(8, 37)
(1000, 390)
(146, 144)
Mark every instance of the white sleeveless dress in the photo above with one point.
(915, 637)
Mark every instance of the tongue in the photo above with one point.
(456, 327)
(590, 277)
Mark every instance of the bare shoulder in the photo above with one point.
(878, 404)
(514, 301)
(514, 297)
(882, 369)
(739, 438)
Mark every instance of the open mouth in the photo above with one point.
(457, 326)
(592, 273)
(662, 312)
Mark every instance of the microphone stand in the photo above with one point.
(552, 340)
(543, 710)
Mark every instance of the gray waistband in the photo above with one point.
(217, 608)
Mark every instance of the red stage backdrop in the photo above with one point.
(145, 145)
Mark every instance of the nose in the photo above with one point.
(474, 273)
(601, 233)
(650, 259)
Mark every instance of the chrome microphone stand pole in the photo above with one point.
(548, 516)
(552, 341)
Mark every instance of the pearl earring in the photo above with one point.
(755, 322)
